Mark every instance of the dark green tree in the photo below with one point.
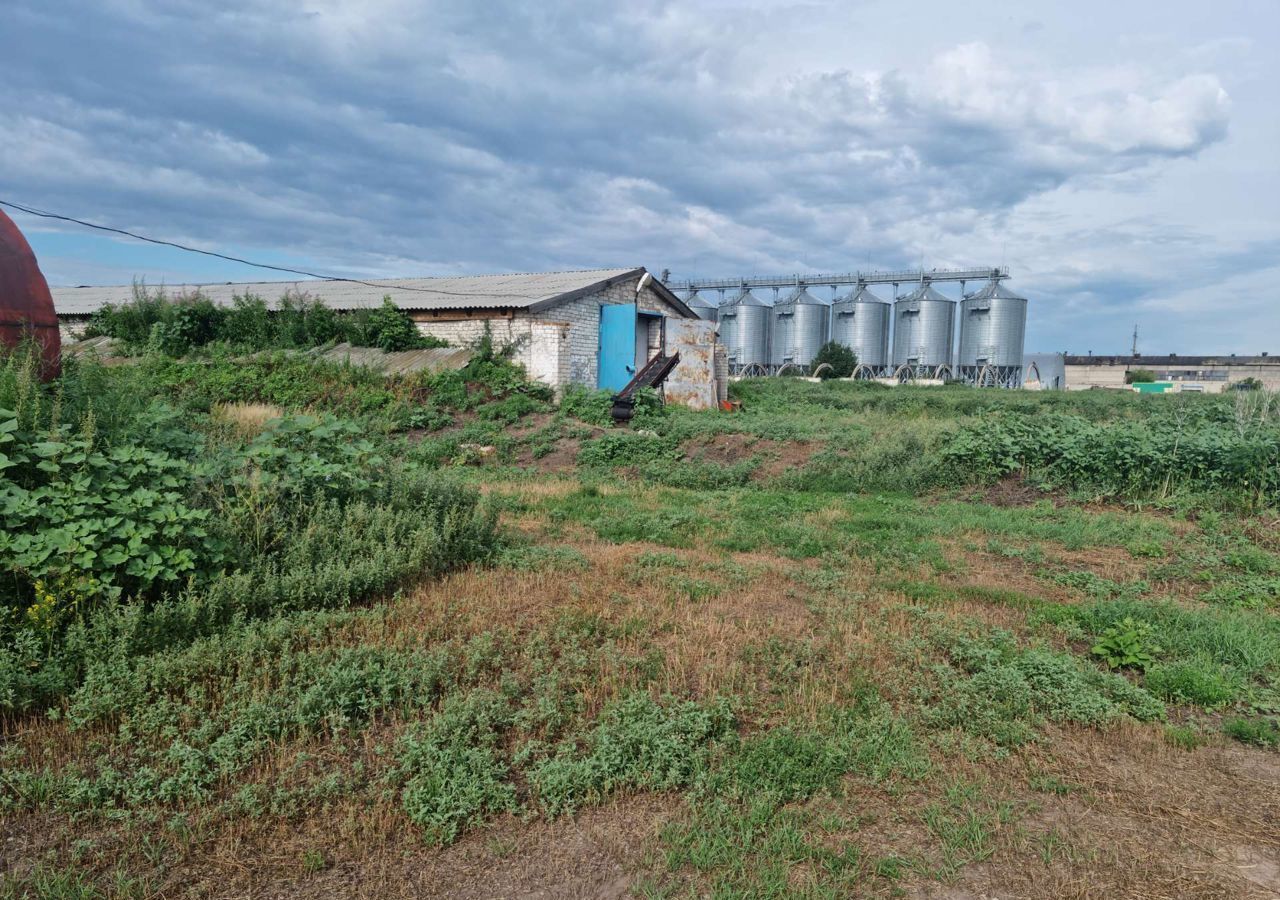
(390, 328)
(248, 323)
(841, 359)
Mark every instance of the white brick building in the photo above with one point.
(553, 319)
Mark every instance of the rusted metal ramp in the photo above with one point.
(651, 374)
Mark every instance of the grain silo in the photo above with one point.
(744, 331)
(993, 323)
(701, 306)
(923, 322)
(860, 321)
(799, 329)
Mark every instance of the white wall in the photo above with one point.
(561, 345)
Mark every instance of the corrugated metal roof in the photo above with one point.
(526, 290)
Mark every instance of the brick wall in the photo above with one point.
(538, 344)
(561, 345)
(583, 315)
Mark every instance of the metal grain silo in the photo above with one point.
(861, 322)
(800, 326)
(744, 331)
(701, 306)
(923, 322)
(993, 324)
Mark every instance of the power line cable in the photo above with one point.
(150, 240)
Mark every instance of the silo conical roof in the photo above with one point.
(860, 295)
(926, 292)
(697, 301)
(995, 291)
(746, 298)
(802, 297)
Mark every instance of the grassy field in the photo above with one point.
(281, 629)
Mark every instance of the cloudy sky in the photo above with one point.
(1120, 156)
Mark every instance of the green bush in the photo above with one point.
(841, 359)
(389, 328)
(1198, 681)
(1258, 732)
(158, 529)
(586, 405)
(452, 770)
(624, 448)
(1008, 692)
(1123, 458)
(322, 555)
(82, 524)
(638, 743)
(306, 457)
(1127, 644)
(177, 326)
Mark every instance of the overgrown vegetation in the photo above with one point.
(136, 519)
(175, 326)
(846, 641)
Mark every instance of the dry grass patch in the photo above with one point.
(1140, 818)
(245, 419)
(1116, 563)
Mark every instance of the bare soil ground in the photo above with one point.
(776, 457)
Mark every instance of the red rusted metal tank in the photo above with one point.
(26, 306)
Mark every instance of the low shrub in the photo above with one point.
(1244, 641)
(1247, 591)
(452, 770)
(177, 325)
(624, 448)
(82, 524)
(1187, 451)
(586, 405)
(788, 764)
(1006, 692)
(1127, 644)
(1199, 682)
(1258, 732)
(637, 743)
(699, 474)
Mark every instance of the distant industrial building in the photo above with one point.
(1201, 374)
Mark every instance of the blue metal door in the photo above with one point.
(617, 346)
